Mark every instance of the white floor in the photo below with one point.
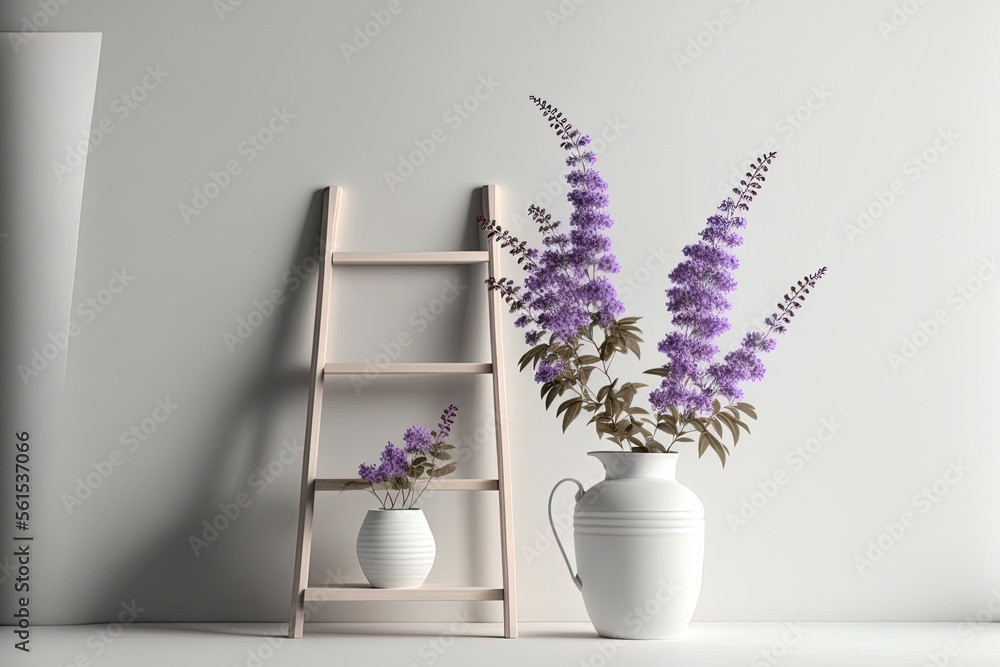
(551, 645)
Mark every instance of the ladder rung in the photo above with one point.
(421, 367)
(410, 258)
(442, 484)
(426, 592)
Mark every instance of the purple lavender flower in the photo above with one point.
(393, 462)
(549, 370)
(740, 365)
(417, 439)
(697, 300)
(371, 474)
(447, 419)
(744, 363)
(567, 287)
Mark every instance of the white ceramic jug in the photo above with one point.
(640, 542)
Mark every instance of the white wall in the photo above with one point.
(678, 131)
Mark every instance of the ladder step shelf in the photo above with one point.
(433, 368)
(410, 258)
(427, 592)
(340, 484)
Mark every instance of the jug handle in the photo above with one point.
(555, 533)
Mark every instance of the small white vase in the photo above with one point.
(640, 543)
(396, 548)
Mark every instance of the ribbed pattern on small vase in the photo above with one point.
(650, 523)
(396, 550)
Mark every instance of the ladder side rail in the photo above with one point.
(491, 211)
(332, 199)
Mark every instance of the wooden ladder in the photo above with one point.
(302, 593)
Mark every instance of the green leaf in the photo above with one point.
(719, 448)
(553, 395)
(397, 483)
(532, 355)
(731, 425)
(632, 345)
(654, 446)
(624, 426)
(598, 416)
(444, 470)
(567, 404)
(603, 428)
(703, 444)
(571, 413)
(603, 393)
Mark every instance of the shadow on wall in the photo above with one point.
(167, 578)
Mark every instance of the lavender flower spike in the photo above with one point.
(693, 381)
(697, 301)
(447, 419)
(744, 362)
(567, 288)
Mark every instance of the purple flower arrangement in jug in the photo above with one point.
(575, 329)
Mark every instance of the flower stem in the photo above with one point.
(428, 482)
